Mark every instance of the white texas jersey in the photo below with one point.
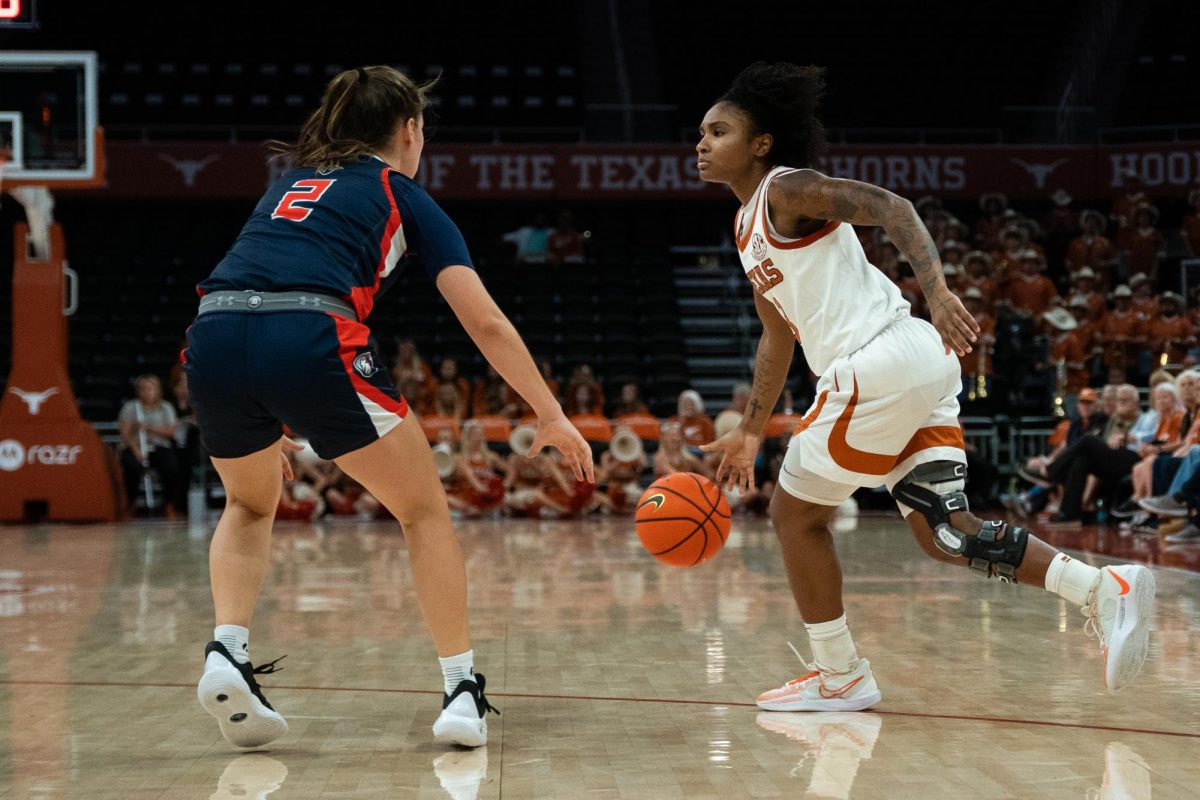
(834, 300)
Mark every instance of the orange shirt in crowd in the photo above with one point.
(1097, 307)
(1070, 348)
(696, 430)
(1172, 335)
(1123, 335)
(1145, 245)
(1097, 253)
(986, 286)
(1168, 427)
(1034, 294)
(971, 361)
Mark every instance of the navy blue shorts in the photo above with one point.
(249, 374)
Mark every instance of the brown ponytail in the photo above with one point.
(358, 115)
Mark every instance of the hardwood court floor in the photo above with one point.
(616, 678)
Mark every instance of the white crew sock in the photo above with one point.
(456, 669)
(1070, 579)
(832, 647)
(236, 640)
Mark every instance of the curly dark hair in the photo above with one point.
(781, 99)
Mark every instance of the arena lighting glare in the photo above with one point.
(18, 14)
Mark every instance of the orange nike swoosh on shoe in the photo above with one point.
(1121, 581)
(829, 694)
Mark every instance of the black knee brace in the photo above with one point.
(995, 552)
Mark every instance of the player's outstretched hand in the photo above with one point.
(952, 320)
(560, 434)
(286, 446)
(738, 449)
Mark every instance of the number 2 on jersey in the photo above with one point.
(306, 191)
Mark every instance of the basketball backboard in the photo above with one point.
(49, 128)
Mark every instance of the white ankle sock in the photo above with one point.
(456, 669)
(832, 647)
(236, 640)
(1070, 579)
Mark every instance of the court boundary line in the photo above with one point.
(609, 699)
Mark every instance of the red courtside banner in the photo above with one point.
(619, 172)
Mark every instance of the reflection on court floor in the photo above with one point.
(617, 677)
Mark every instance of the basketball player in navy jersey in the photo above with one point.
(280, 339)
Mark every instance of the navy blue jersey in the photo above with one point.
(339, 232)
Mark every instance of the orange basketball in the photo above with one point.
(683, 519)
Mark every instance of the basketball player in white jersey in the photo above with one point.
(886, 411)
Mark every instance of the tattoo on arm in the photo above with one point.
(810, 195)
(771, 364)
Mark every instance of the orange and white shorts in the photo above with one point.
(880, 411)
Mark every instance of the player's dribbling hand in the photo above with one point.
(952, 320)
(286, 446)
(738, 449)
(560, 434)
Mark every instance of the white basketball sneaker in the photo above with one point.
(462, 719)
(819, 690)
(229, 691)
(1119, 612)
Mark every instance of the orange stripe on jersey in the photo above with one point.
(739, 218)
(811, 416)
(925, 438)
(864, 462)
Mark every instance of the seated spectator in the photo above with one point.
(1110, 457)
(547, 370)
(621, 478)
(977, 275)
(991, 221)
(1144, 300)
(448, 373)
(953, 252)
(1030, 291)
(538, 486)
(409, 364)
(1169, 334)
(731, 417)
(673, 457)
(1145, 247)
(1191, 225)
(187, 433)
(582, 376)
(1122, 334)
(477, 485)
(147, 425)
(583, 402)
(1087, 419)
(298, 501)
(342, 495)
(565, 244)
(1068, 354)
(1013, 244)
(979, 362)
(953, 274)
(1121, 216)
(1093, 249)
(494, 397)
(531, 241)
(447, 402)
(630, 402)
(1157, 431)
(696, 427)
(1084, 288)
